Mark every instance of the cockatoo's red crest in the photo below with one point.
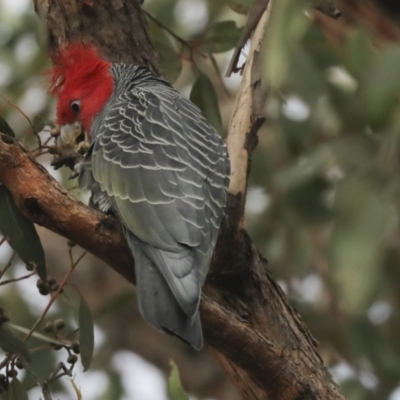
(80, 74)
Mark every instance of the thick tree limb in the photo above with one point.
(258, 339)
(46, 203)
(246, 319)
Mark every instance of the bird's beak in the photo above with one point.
(72, 136)
(69, 134)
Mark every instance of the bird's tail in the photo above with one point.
(158, 305)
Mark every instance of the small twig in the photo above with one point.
(8, 265)
(55, 375)
(41, 150)
(46, 392)
(8, 102)
(5, 362)
(53, 297)
(43, 146)
(76, 289)
(175, 36)
(17, 279)
(39, 382)
(43, 153)
(71, 258)
(2, 240)
(218, 73)
(166, 29)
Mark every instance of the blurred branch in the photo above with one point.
(21, 278)
(374, 14)
(327, 7)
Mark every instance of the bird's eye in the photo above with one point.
(76, 106)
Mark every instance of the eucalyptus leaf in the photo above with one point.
(175, 389)
(86, 334)
(220, 37)
(204, 96)
(171, 64)
(73, 301)
(21, 233)
(37, 335)
(305, 77)
(5, 128)
(289, 25)
(363, 222)
(360, 53)
(38, 124)
(11, 344)
(17, 391)
(380, 86)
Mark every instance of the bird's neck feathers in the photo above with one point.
(80, 73)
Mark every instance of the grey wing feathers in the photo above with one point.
(156, 301)
(165, 171)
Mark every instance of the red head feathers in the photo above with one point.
(82, 81)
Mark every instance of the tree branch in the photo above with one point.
(246, 118)
(246, 318)
(46, 203)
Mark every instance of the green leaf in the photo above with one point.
(364, 221)
(17, 391)
(171, 64)
(21, 233)
(360, 52)
(5, 128)
(289, 26)
(37, 335)
(86, 334)
(11, 344)
(4, 396)
(305, 77)
(73, 300)
(204, 96)
(175, 389)
(38, 124)
(240, 6)
(220, 37)
(381, 86)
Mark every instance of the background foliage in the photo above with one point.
(323, 200)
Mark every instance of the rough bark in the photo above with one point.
(117, 27)
(257, 337)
